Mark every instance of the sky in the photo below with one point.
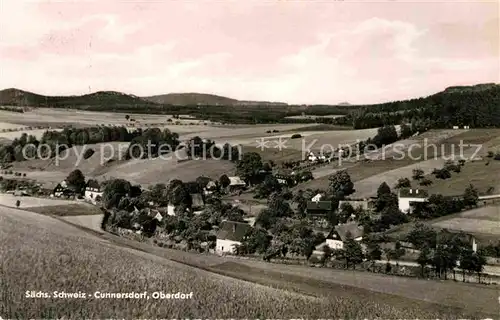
(307, 51)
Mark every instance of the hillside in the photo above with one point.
(182, 99)
(102, 99)
(113, 99)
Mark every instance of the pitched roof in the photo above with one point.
(319, 205)
(412, 193)
(234, 231)
(343, 230)
(236, 181)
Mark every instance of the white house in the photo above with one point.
(317, 197)
(343, 232)
(236, 183)
(230, 234)
(408, 196)
(93, 191)
(171, 210)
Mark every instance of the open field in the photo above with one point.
(92, 222)
(470, 225)
(428, 151)
(477, 173)
(9, 200)
(10, 126)
(482, 222)
(80, 210)
(139, 171)
(318, 282)
(70, 260)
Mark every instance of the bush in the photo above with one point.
(88, 153)
(296, 136)
(497, 156)
(490, 154)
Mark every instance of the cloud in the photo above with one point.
(283, 51)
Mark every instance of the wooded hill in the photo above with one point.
(475, 106)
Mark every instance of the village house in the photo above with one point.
(93, 191)
(318, 207)
(407, 196)
(343, 232)
(317, 197)
(229, 235)
(236, 184)
(63, 190)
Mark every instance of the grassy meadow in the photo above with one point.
(43, 254)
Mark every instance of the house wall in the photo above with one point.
(405, 203)
(335, 244)
(91, 195)
(171, 210)
(225, 246)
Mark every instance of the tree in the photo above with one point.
(478, 263)
(422, 236)
(424, 259)
(471, 196)
(269, 186)
(341, 184)
(374, 252)
(18, 203)
(249, 166)
(114, 190)
(127, 117)
(425, 182)
(418, 174)
(327, 254)
(353, 253)
(403, 183)
(76, 179)
(224, 181)
(383, 189)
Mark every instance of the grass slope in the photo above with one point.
(66, 259)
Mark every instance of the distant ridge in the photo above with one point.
(18, 97)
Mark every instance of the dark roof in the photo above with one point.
(234, 231)
(319, 205)
(93, 184)
(412, 193)
(341, 231)
(197, 199)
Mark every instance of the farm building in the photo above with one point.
(93, 191)
(64, 190)
(229, 235)
(343, 232)
(408, 196)
(236, 183)
(318, 207)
